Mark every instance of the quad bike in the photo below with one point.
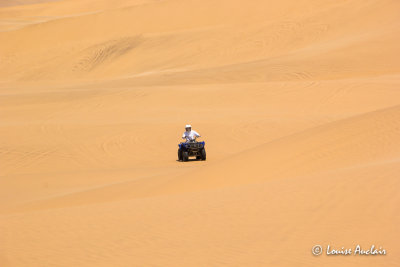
(191, 149)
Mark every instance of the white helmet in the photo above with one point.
(188, 126)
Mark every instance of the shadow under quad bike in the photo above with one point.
(191, 149)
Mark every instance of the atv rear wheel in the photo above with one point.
(179, 154)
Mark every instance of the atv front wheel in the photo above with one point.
(203, 154)
(185, 156)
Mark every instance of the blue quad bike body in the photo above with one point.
(191, 149)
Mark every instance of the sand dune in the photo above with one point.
(298, 102)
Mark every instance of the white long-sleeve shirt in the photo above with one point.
(189, 136)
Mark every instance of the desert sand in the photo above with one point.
(298, 102)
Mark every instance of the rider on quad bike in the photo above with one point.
(191, 148)
(190, 135)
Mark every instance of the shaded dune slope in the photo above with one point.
(356, 142)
